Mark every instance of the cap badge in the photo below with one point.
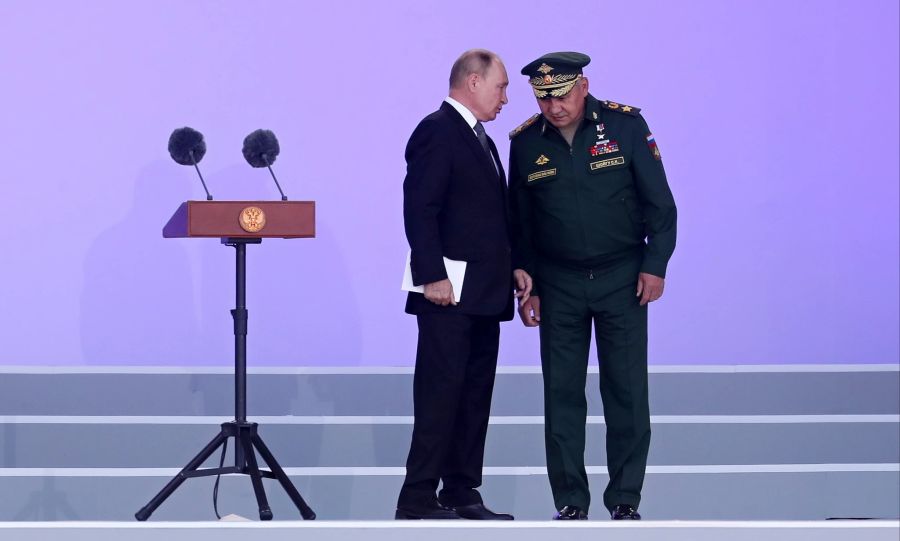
(545, 69)
(542, 160)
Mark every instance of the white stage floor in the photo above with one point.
(850, 530)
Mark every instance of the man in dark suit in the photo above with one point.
(454, 206)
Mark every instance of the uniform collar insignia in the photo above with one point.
(591, 109)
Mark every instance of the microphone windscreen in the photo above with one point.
(259, 143)
(182, 142)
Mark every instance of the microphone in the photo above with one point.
(260, 150)
(187, 147)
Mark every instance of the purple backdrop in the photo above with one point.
(777, 121)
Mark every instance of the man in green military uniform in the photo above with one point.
(593, 222)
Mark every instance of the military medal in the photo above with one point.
(603, 145)
(601, 137)
(604, 148)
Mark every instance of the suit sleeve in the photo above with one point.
(428, 169)
(657, 202)
(520, 222)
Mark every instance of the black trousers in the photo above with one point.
(573, 303)
(456, 361)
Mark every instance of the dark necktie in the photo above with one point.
(482, 138)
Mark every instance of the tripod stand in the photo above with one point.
(247, 440)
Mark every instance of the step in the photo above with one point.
(167, 442)
(117, 495)
(845, 389)
(455, 530)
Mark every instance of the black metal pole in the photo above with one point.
(240, 334)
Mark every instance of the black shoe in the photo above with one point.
(570, 512)
(431, 511)
(478, 511)
(624, 512)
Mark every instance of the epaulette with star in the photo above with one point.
(521, 127)
(613, 106)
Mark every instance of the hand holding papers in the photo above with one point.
(456, 273)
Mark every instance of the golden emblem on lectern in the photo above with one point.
(252, 219)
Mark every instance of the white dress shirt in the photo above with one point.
(464, 111)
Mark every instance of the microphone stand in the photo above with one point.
(265, 158)
(245, 434)
(208, 197)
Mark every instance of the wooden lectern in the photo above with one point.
(232, 219)
(239, 223)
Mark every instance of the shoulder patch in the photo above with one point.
(521, 127)
(621, 108)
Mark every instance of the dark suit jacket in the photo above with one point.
(454, 205)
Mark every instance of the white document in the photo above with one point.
(456, 272)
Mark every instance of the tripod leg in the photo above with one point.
(282, 477)
(265, 513)
(176, 481)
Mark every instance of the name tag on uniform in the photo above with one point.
(607, 163)
(542, 174)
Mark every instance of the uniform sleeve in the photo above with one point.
(657, 202)
(427, 177)
(520, 218)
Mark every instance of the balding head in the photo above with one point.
(473, 61)
(478, 81)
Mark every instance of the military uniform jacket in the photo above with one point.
(604, 196)
(455, 206)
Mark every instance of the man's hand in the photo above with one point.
(440, 293)
(522, 283)
(649, 287)
(530, 311)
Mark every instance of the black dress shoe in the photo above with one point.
(478, 511)
(624, 512)
(570, 512)
(430, 511)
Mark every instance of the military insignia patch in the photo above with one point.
(613, 106)
(545, 69)
(541, 174)
(607, 163)
(651, 142)
(542, 160)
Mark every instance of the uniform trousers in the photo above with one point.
(456, 360)
(573, 300)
